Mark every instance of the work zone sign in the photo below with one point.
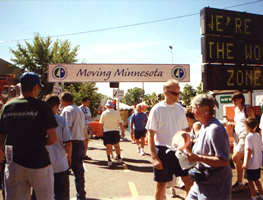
(118, 72)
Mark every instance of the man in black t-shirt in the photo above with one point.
(26, 126)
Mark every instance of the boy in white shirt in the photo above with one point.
(253, 158)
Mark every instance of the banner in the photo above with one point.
(118, 72)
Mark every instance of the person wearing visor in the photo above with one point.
(27, 124)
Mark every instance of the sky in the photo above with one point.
(117, 31)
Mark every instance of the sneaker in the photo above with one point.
(119, 160)
(142, 152)
(237, 187)
(109, 164)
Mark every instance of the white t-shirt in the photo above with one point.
(166, 120)
(86, 112)
(111, 120)
(240, 119)
(76, 121)
(253, 141)
(57, 152)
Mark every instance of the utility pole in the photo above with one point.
(172, 53)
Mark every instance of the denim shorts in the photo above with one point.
(171, 165)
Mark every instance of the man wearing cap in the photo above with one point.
(76, 122)
(26, 126)
(111, 120)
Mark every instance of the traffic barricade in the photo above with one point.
(97, 128)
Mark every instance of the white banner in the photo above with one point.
(118, 72)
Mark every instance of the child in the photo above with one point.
(253, 158)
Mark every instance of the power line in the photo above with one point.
(133, 25)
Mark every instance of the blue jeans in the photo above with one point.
(61, 185)
(77, 168)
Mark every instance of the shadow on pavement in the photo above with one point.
(104, 164)
(240, 195)
(135, 160)
(178, 197)
(139, 168)
(95, 148)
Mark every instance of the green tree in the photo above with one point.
(133, 96)
(199, 89)
(150, 100)
(188, 93)
(37, 56)
(86, 90)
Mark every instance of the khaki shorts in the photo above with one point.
(86, 132)
(19, 179)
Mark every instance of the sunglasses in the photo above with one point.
(173, 93)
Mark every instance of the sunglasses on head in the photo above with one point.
(173, 93)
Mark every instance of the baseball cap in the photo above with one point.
(30, 78)
(110, 103)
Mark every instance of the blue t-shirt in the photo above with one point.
(213, 141)
(139, 121)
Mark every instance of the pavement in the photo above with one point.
(131, 180)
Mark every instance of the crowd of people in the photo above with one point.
(42, 144)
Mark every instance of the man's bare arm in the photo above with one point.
(157, 163)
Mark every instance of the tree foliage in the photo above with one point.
(188, 93)
(151, 100)
(36, 57)
(199, 89)
(86, 90)
(133, 96)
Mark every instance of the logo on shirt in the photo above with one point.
(178, 73)
(59, 72)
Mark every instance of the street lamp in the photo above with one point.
(171, 48)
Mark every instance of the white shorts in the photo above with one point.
(19, 180)
(239, 146)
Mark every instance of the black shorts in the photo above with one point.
(139, 134)
(111, 137)
(171, 166)
(252, 174)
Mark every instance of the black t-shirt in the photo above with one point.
(25, 121)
